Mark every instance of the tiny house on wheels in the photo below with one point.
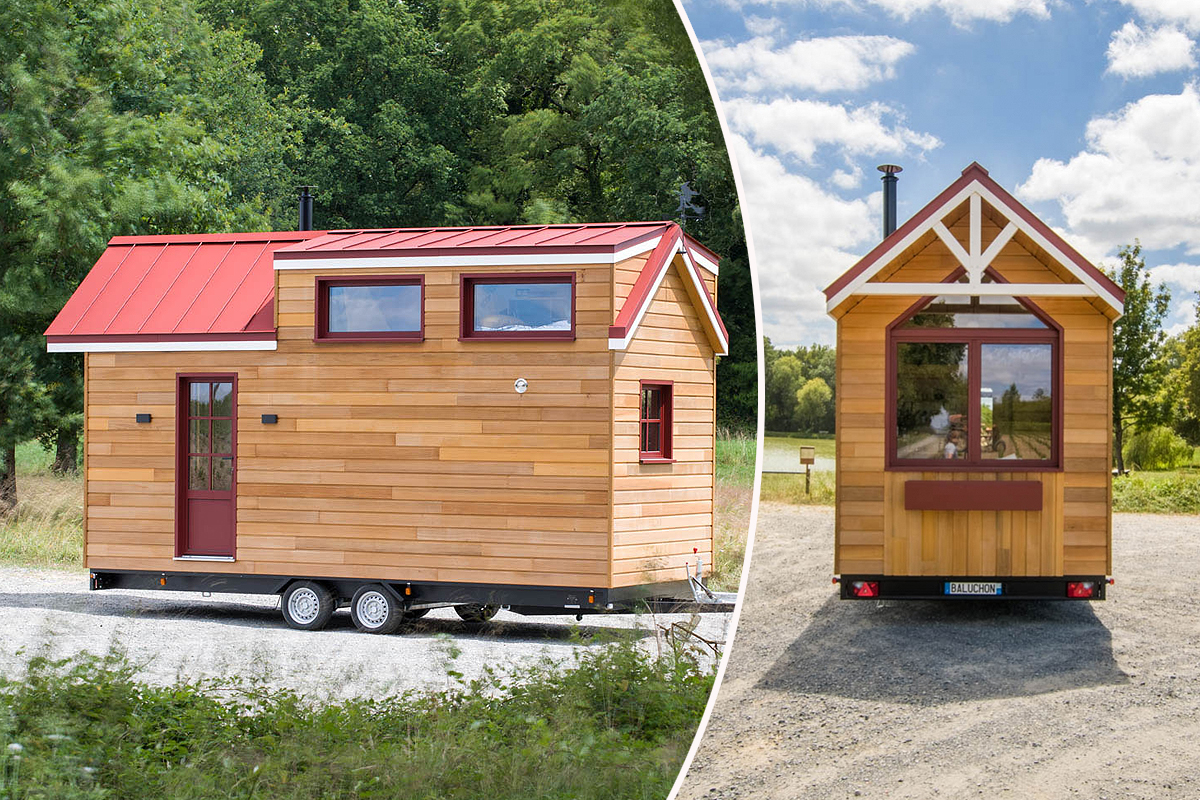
(401, 419)
(974, 396)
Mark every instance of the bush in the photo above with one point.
(1156, 449)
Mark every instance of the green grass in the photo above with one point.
(1169, 492)
(789, 488)
(47, 528)
(735, 456)
(615, 723)
(825, 445)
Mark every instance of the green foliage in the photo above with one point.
(1137, 343)
(1157, 448)
(788, 372)
(789, 488)
(814, 401)
(1176, 492)
(735, 457)
(615, 723)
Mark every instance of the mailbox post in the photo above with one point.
(808, 456)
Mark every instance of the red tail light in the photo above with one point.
(865, 588)
(1081, 589)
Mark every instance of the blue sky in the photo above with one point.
(1089, 112)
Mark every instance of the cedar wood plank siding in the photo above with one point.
(663, 513)
(406, 460)
(876, 535)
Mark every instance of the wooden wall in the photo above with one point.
(662, 511)
(418, 460)
(875, 535)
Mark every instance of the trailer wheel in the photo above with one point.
(374, 610)
(308, 606)
(475, 612)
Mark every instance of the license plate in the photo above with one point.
(973, 587)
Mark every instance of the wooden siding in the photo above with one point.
(876, 535)
(399, 460)
(661, 512)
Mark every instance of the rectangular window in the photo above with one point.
(931, 400)
(370, 308)
(1016, 401)
(654, 423)
(537, 306)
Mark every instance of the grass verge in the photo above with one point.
(789, 488)
(616, 723)
(1170, 492)
(735, 459)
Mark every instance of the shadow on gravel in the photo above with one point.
(125, 607)
(930, 653)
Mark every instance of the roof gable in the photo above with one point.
(975, 186)
(678, 249)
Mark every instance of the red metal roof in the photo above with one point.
(202, 287)
(221, 286)
(608, 237)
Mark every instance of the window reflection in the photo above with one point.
(1017, 401)
(931, 401)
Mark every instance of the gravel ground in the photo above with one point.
(825, 698)
(173, 635)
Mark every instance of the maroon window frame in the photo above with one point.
(467, 285)
(321, 332)
(665, 421)
(975, 338)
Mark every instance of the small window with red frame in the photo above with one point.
(655, 423)
(370, 308)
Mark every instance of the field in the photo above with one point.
(1166, 492)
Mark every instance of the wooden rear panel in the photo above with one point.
(394, 460)
(1072, 532)
(662, 512)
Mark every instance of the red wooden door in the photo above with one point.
(207, 446)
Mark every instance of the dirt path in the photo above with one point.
(184, 634)
(826, 698)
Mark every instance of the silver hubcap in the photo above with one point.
(304, 605)
(372, 609)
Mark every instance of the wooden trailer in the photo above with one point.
(974, 396)
(401, 419)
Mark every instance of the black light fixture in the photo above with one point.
(142, 418)
(270, 419)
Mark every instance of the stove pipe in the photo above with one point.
(889, 196)
(306, 208)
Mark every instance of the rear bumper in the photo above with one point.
(935, 587)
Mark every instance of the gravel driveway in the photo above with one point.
(172, 635)
(825, 698)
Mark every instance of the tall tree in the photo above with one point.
(1137, 347)
(116, 117)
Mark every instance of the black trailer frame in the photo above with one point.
(933, 587)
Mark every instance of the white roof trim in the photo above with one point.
(697, 284)
(345, 260)
(705, 263)
(160, 347)
(974, 263)
(978, 290)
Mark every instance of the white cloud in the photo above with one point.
(1182, 12)
(1138, 177)
(799, 127)
(1182, 277)
(830, 64)
(1137, 53)
(762, 26)
(847, 180)
(961, 12)
(804, 238)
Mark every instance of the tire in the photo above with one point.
(308, 606)
(475, 612)
(375, 610)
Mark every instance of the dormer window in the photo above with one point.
(370, 308)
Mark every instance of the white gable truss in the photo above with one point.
(975, 259)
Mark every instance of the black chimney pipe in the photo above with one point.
(306, 203)
(889, 197)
